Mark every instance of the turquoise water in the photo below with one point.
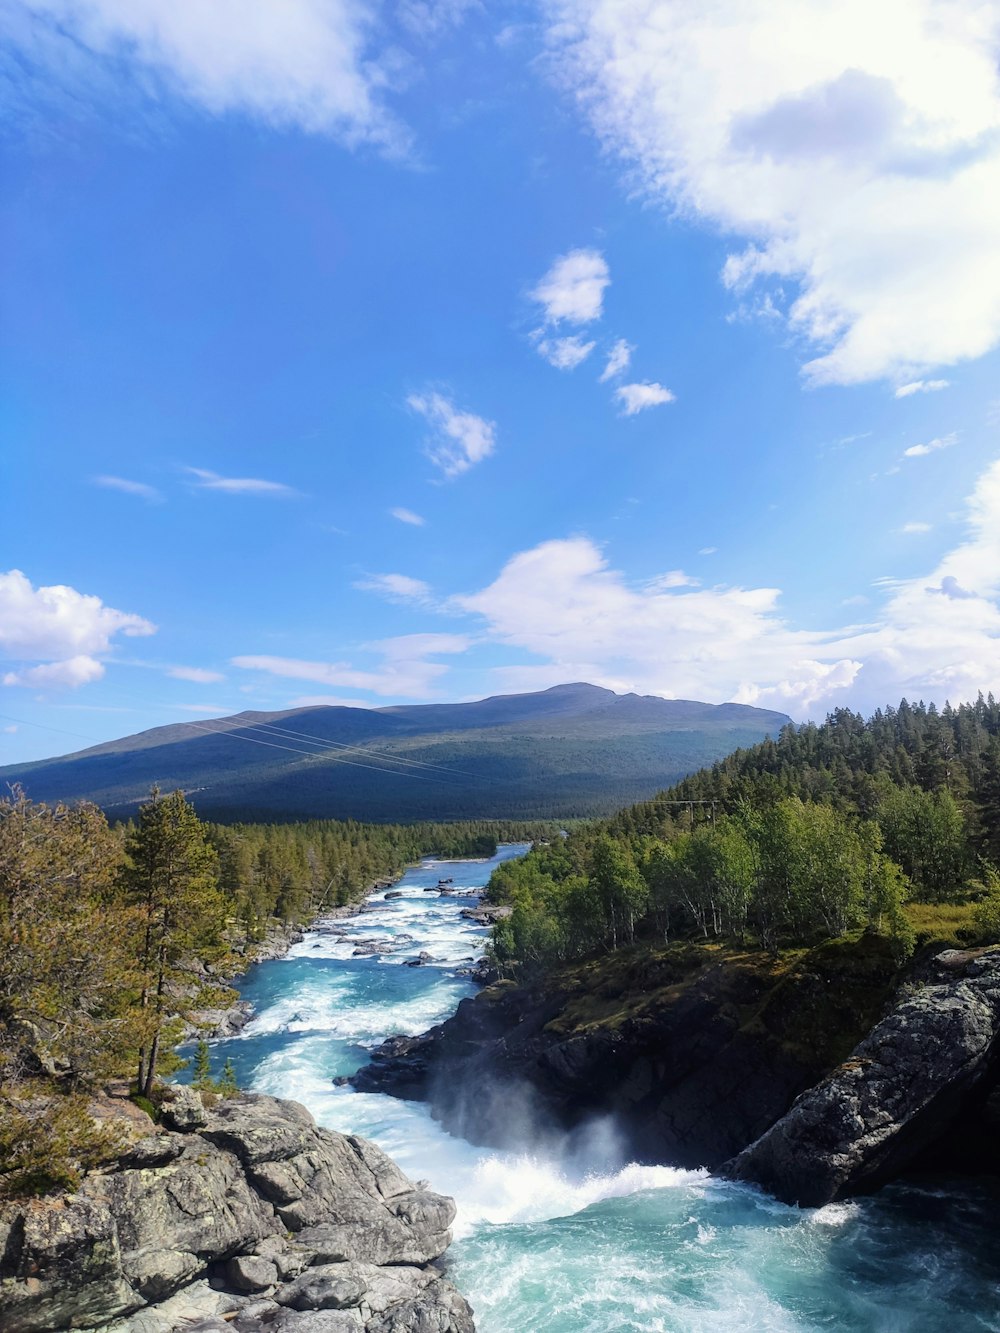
(566, 1236)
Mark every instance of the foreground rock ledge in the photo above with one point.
(249, 1218)
(904, 1086)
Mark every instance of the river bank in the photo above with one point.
(243, 1216)
(561, 1232)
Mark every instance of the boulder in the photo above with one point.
(251, 1272)
(899, 1090)
(184, 1110)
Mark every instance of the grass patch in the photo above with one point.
(948, 924)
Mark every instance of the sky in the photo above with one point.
(375, 353)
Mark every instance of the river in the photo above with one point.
(566, 1237)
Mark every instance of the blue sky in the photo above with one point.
(388, 353)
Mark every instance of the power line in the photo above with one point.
(310, 754)
(358, 749)
(41, 725)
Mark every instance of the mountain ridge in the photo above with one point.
(571, 749)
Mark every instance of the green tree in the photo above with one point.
(170, 877)
(67, 982)
(620, 889)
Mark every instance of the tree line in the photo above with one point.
(110, 936)
(826, 829)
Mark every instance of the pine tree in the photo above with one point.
(171, 878)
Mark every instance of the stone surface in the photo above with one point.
(251, 1272)
(191, 1226)
(901, 1088)
(184, 1109)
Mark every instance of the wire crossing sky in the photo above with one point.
(371, 353)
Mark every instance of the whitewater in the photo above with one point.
(566, 1235)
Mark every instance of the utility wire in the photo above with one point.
(329, 743)
(311, 754)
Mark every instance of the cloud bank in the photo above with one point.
(936, 636)
(855, 150)
(55, 636)
(307, 64)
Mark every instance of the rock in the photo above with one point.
(438, 1309)
(185, 1109)
(899, 1090)
(190, 1225)
(486, 914)
(421, 960)
(218, 1024)
(250, 1272)
(396, 893)
(328, 1287)
(317, 1321)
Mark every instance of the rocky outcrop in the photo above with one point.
(928, 1071)
(248, 1211)
(694, 1051)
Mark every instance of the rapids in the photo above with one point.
(566, 1236)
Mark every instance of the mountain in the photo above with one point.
(570, 750)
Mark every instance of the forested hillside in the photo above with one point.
(110, 936)
(891, 823)
(573, 750)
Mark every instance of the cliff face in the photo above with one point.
(694, 1050)
(700, 1054)
(249, 1211)
(919, 1085)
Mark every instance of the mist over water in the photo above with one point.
(563, 1234)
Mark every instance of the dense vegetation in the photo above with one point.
(111, 936)
(827, 829)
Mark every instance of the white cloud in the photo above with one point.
(674, 578)
(618, 360)
(708, 550)
(573, 288)
(211, 481)
(408, 516)
(69, 674)
(62, 631)
(637, 397)
(396, 587)
(405, 671)
(198, 675)
(933, 636)
(430, 18)
(563, 353)
(931, 447)
(921, 386)
(460, 440)
(915, 527)
(138, 488)
(9, 731)
(308, 64)
(406, 647)
(855, 150)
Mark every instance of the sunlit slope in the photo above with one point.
(570, 750)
